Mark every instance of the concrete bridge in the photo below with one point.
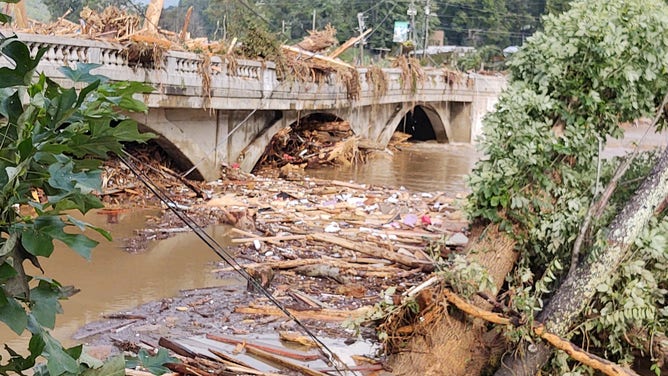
(209, 111)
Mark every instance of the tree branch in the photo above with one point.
(607, 367)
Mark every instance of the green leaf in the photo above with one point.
(154, 364)
(82, 73)
(83, 225)
(62, 107)
(114, 366)
(53, 227)
(37, 243)
(44, 303)
(126, 131)
(63, 177)
(12, 108)
(58, 360)
(81, 244)
(21, 75)
(6, 272)
(13, 314)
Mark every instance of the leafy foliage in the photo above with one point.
(51, 139)
(154, 364)
(594, 67)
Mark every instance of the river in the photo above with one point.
(116, 280)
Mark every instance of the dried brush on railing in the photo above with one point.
(377, 81)
(411, 72)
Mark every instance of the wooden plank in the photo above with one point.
(342, 48)
(269, 238)
(271, 349)
(315, 59)
(284, 362)
(329, 315)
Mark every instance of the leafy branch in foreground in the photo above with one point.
(52, 139)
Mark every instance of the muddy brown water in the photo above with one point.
(425, 167)
(115, 280)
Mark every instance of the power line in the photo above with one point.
(335, 361)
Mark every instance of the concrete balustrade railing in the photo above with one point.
(250, 84)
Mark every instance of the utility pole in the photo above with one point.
(412, 11)
(361, 26)
(427, 11)
(313, 20)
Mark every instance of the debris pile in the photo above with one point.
(111, 23)
(319, 40)
(327, 250)
(311, 143)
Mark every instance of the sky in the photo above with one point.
(168, 3)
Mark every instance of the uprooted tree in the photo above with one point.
(587, 236)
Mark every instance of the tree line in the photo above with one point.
(475, 23)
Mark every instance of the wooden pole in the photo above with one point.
(186, 23)
(20, 15)
(153, 12)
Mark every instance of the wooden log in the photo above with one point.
(284, 362)
(348, 263)
(176, 347)
(270, 349)
(186, 23)
(607, 367)
(269, 238)
(153, 12)
(329, 315)
(372, 251)
(229, 360)
(342, 48)
(20, 15)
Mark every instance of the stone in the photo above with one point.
(457, 240)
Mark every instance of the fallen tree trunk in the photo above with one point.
(454, 345)
(579, 287)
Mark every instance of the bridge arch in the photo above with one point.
(180, 160)
(250, 156)
(424, 123)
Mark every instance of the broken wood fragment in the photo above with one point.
(349, 43)
(372, 251)
(176, 348)
(329, 315)
(295, 337)
(266, 348)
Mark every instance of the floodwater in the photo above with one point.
(423, 166)
(115, 280)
